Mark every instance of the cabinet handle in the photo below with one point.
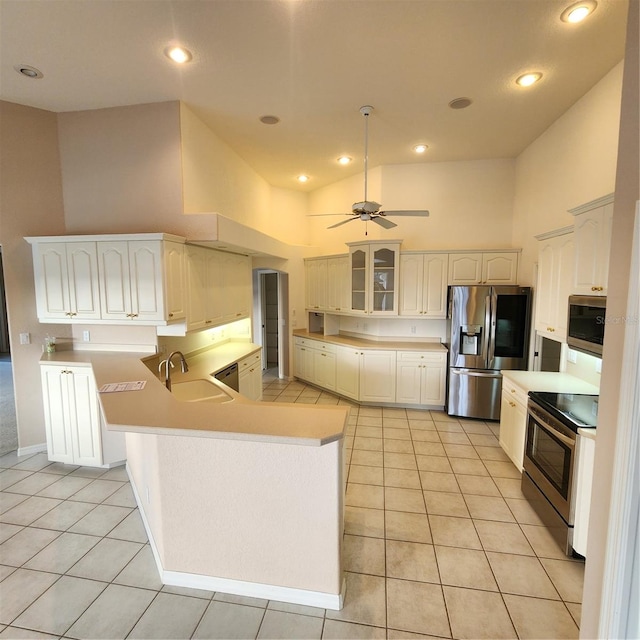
(324, 355)
(238, 315)
(171, 315)
(512, 404)
(207, 321)
(597, 288)
(551, 329)
(513, 390)
(134, 315)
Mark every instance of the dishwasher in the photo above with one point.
(229, 376)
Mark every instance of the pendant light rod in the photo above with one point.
(366, 111)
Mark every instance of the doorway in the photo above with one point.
(271, 301)
(8, 424)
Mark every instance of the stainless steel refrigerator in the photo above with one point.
(489, 332)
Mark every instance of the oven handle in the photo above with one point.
(570, 442)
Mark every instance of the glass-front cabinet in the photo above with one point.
(374, 277)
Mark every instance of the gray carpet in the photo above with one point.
(8, 428)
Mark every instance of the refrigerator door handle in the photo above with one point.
(487, 330)
(491, 353)
(476, 374)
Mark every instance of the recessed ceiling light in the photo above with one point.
(178, 54)
(420, 148)
(579, 11)
(344, 160)
(303, 178)
(29, 71)
(460, 103)
(269, 119)
(527, 79)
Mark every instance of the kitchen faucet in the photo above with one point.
(169, 364)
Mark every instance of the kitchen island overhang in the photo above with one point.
(241, 497)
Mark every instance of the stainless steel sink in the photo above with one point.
(199, 391)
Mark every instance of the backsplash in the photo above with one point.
(202, 340)
(586, 367)
(401, 328)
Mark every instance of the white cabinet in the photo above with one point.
(374, 277)
(585, 455)
(316, 284)
(423, 284)
(250, 376)
(236, 287)
(338, 270)
(303, 359)
(513, 421)
(315, 362)
(377, 376)
(499, 267)
(421, 378)
(348, 372)
(555, 278)
(66, 280)
(592, 230)
(72, 418)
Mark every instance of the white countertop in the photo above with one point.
(549, 381)
(155, 409)
(363, 343)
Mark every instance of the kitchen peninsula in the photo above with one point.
(236, 496)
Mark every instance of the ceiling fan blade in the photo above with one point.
(317, 215)
(416, 213)
(383, 222)
(333, 226)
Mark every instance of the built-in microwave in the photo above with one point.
(585, 323)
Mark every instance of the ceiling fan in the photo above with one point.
(368, 210)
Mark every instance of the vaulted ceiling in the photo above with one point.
(313, 64)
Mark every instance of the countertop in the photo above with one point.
(155, 410)
(549, 381)
(363, 343)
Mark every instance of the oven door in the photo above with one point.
(549, 459)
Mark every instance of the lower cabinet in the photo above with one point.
(324, 368)
(513, 421)
(377, 376)
(75, 432)
(250, 376)
(348, 372)
(421, 378)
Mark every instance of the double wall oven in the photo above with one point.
(549, 474)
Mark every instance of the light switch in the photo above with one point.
(572, 356)
(86, 335)
(25, 338)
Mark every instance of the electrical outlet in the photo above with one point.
(413, 329)
(365, 327)
(572, 356)
(25, 338)
(598, 365)
(86, 335)
(148, 495)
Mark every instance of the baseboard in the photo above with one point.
(34, 448)
(237, 587)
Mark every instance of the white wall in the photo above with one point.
(571, 163)
(30, 204)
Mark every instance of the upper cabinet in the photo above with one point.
(374, 277)
(555, 279)
(66, 280)
(423, 284)
(592, 243)
(119, 279)
(483, 268)
(327, 284)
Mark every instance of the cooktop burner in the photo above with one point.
(574, 409)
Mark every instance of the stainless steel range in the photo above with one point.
(549, 475)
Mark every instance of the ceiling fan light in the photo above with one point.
(528, 79)
(578, 11)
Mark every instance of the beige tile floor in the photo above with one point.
(439, 542)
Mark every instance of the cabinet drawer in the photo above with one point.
(516, 393)
(316, 344)
(249, 361)
(422, 356)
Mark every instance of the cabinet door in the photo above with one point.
(359, 271)
(324, 369)
(434, 378)
(145, 269)
(175, 280)
(513, 423)
(237, 288)
(564, 265)
(217, 307)
(378, 376)
(465, 268)
(84, 291)
(411, 284)
(434, 289)
(499, 268)
(408, 378)
(250, 376)
(196, 287)
(114, 277)
(592, 243)
(383, 287)
(52, 280)
(316, 283)
(348, 372)
(304, 362)
(545, 293)
(56, 413)
(84, 417)
(337, 279)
